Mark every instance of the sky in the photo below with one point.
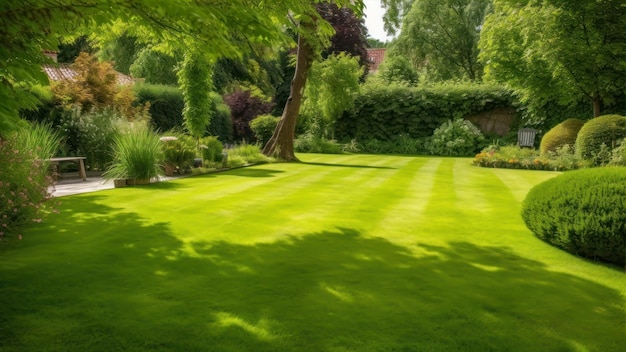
(374, 20)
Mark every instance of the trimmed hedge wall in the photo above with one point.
(583, 212)
(383, 112)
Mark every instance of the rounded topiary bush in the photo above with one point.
(607, 130)
(583, 212)
(560, 135)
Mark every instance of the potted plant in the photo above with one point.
(137, 157)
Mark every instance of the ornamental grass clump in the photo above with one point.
(582, 212)
(137, 155)
(25, 177)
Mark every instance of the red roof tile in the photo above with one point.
(60, 72)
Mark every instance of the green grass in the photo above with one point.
(339, 253)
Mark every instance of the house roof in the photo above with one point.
(375, 57)
(60, 72)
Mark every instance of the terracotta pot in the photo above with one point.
(119, 183)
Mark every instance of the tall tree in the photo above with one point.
(441, 37)
(569, 50)
(313, 36)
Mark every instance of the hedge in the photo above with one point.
(383, 112)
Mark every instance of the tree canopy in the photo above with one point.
(441, 37)
(565, 49)
(28, 28)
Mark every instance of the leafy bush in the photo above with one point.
(382, 112)
(263, 127)
(25, 177)
(178, 152)
(608, 130)
(456, 138)
(137, 155)
(211, 149)
(618, 156)
(310, 143)
(560, 135)
(583, 212)
(91, 135)
(244, 108)
(397, 69)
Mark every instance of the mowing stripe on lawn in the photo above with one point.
(338, 253)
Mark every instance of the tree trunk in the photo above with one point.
(281, 143)
(596, 104)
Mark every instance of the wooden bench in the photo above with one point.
(79, 159)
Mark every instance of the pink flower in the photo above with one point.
(37, 220)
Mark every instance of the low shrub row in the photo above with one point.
(513, 157)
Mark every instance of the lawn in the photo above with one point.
(338, 253)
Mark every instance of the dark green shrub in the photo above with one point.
(456, 138)
(221, 124)
(560, 135)
(166, 105)
(605, 130)
(263, 127)
(583, 212)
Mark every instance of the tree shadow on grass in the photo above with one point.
(136, 286)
